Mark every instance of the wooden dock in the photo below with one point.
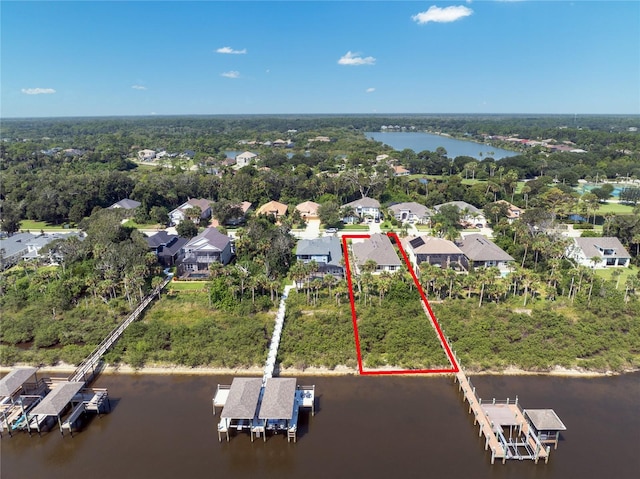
(87, 368)
(480, 418)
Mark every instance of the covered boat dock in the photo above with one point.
(250, 405)
(546, 425)
(20, 391)
(240, 406)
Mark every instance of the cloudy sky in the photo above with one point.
(241, 57)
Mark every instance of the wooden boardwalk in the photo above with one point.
(87, 367)
(475, 406)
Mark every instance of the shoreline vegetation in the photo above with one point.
(340, 370)
(549, 314)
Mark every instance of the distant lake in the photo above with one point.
(418, 141)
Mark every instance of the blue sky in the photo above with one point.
(268, 57)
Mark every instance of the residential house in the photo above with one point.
(482, 252)
(308, 210)
(28, 245)
(469, 214)
(273, 208)
(411, 212)
(146, 155)
(199, 252)
(365, 207)
(435, 251)
(126, 204)
(399, 170)
(245, 206)
(245, 159)
(325, 251)
(379, 249)
(166, 247)
(179, 214)
(598, 253)
(13, 248)
(513, 212)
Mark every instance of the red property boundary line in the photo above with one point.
(455, 367)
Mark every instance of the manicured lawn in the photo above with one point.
(187, 285)
(355, 227)
(149, 226)
(607, 274)
(32, 226)
(614, 208)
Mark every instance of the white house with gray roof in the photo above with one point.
(179, 214)
(365, 207)
(377, 248)
(411, 212)
(245, 159)
(325, 251)
(597, 253)
(208, 247)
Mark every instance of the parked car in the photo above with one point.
(331, 230)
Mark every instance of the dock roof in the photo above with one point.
(545, 420)
(500, 414)
(278, 400)
(15, 379)
(243, 398)
(54, 402)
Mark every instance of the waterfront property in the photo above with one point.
(603, 252)
(251, 405)
(28, 403)
(481, 252)
(325, 251)
(199, 252)
(376, 248)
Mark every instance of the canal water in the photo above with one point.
(370, 427)
(418, 141)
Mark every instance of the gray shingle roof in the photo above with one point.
(478, 248)
(590, 246)
(15, 243)
(126, 204)
(461, 205)
(54, 402)
(413, 207)
(365, 202)
(14, 380)
(377, 248)
(320, 246)
(243, 399)
(278, 399)
(209, 239)
(545, 420)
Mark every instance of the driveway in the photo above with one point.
(310, 232)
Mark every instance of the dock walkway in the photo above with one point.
(275, 338)
(88, 365)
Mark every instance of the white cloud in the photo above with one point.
(230, 74)
(442, 15)
(38, 91)
(370, 90)
(351, 58)
(138, 87)
(231, 51)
